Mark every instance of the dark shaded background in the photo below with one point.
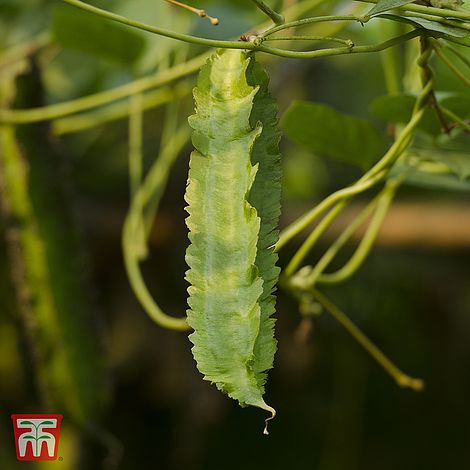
(337, 410)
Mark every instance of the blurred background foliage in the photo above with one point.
(337, 410)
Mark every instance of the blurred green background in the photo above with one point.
(337, 410)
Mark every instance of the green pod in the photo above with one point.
(233, 197)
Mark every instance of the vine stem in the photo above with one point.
(55, 111)
(154, 29)
(305, 220)
(346, 42)
(145, 198)
(135, 142)
(135, 158)
(333, 250)
(59, 110)
(155, 179)
(276, 17)
(389, 60)
(119, 110)
(345, 50)
(382, 201)
(304, 281)
(365, 245)
(252, 45)
(140, 289)
(167, 153)
(402, 379)
(314, 236)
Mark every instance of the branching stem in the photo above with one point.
(304, 221)
(382, 205)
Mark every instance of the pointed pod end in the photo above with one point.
(266, 421)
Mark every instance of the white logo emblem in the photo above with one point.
(35, 435)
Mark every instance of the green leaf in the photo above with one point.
(394, 108)
(325, 131)
(429, 25)
(88, 33)
(399, 108)
(28, 422)
(385, 5)
(439, 27)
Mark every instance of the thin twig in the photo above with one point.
(197, 11)
(402, 379)
(452, 67)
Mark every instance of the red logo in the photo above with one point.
(36, 436)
